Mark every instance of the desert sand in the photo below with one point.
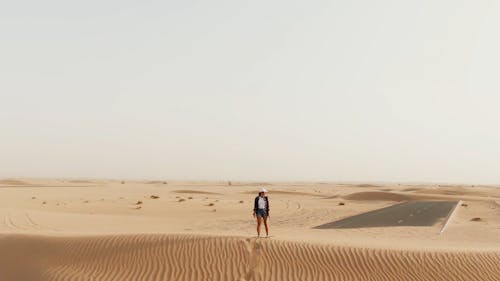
(82, 229)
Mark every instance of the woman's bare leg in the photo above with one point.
(259, 222)
(265, 225)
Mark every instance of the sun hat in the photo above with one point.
(263, 190)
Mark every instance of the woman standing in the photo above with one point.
(261, 211)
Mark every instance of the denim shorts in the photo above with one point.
(261, 213)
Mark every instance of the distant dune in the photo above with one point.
(179, 257)
(12, 182)
(382, 196)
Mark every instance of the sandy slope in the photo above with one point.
(173, 257)
(97, 230)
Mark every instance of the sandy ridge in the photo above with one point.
(182, 257)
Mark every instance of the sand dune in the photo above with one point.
(454, 191)
(181, 257)
(285, 192)
(367, 185)
(383, 196)
(80, 181)
(12, 182)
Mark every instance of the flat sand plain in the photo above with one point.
(73, 229)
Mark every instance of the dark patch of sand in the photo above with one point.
(193, 191)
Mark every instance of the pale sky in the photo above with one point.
(251, 90)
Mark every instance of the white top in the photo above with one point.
(261, 203)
